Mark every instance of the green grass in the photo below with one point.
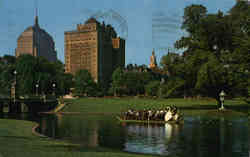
(17, 140)
(117, 105)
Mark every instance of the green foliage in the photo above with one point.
(84, 84)
(192, 16)
(31, 71)
(152, 88)
(216, 52)
(67, 82)
(117, 81)
(172, 63)
(174, 87)
(129, 82)
(211, 79)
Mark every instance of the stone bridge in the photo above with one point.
(32, 105)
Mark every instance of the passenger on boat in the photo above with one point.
(168, 114)
(150, 114)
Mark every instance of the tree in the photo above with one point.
(6, 75)
(171, 62)
(191, 18)
(84, 84)
(34, 70)
(152, 88)
(7, 59)
(210, 78)
(174, 87)
(117, 81)
(67, 82)
(216, 55)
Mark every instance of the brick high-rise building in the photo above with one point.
(94, 47)
(36, 42)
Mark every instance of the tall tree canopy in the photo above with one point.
(31, 71)
(84, 83)
(216, 51)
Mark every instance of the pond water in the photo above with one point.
(199, 136)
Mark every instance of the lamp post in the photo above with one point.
(37, 85)
(222, 98)
(15, 73)
(54, 86)
(14, 87)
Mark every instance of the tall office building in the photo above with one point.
(36, 42)
(95, 47)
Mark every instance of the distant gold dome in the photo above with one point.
(153, 62)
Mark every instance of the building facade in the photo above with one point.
(94, 47)
(36, 42)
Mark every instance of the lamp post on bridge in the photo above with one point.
(13, 94)
(13, 88)
(222, 98)
(15, 73)
(37, 85)
(54, 87)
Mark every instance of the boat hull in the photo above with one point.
(149, 121)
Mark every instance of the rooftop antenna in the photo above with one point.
(36, 13)
(37, 36)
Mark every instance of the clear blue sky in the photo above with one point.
(151, 23)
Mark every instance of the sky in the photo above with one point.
(145, 24)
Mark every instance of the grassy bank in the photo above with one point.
(116, 105)
(17, 140)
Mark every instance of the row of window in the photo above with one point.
(81, 39)
(82, 45)
(86, 28)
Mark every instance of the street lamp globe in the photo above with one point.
(37, 85)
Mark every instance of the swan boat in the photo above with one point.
(149, 121)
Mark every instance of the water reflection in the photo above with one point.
(87, 131)
(223, 137)
(198, 137)
(150, 138)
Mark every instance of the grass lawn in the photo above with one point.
(116, 105)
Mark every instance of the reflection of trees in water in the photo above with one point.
(93, 137)
(84, 130)
(111, 135)
(1, 115)
(215, 137)
(202, 138)
(52, 126)
(198, 137)
(166, 131)
(43, 126)
(248, 135)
